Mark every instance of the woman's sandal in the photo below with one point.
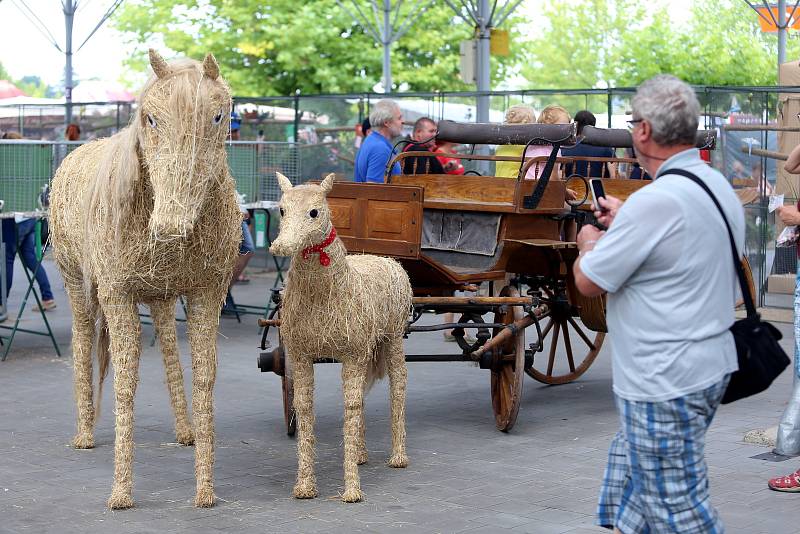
(788, 483)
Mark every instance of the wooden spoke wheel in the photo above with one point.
(506, 368)
(287, 384)
(562, 331)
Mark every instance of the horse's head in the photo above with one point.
(305, 216)
(181, 124)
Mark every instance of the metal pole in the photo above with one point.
(781, 33)
(69, 16)
(387, 44)
(484, 70)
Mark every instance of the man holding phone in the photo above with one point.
(666, 265)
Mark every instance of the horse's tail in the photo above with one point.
(103, 356)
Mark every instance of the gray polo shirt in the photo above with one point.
(666, 265)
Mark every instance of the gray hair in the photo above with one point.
(671, 108)
(382, 112)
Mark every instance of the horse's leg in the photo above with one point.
(354, 374)
(398, 378)
(84, 310)
(306, 485)
(203, 320)
(163, 312)
(124, 330)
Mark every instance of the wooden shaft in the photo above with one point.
(511, 330)
(765, 153)
(481, 301)
(759, 128)
(269, 322)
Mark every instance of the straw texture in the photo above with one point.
(143, 217)
(351, 308)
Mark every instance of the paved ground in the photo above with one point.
(464, 475)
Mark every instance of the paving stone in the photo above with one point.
(464, 475)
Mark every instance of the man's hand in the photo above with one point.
(610, 207)
(789, 215)
(588, 237)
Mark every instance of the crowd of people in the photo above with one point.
(375, 153)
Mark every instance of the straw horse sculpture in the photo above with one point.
(351, 308)
(143, 217)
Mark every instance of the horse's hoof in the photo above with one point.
(120, 500)
(362, 457)
(204, 498)
(184, 437)
(352, 495)
(398, 460)
(304, 490)
(83, 440)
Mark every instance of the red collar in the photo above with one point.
(324, 259)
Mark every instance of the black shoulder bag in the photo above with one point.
(761, 358)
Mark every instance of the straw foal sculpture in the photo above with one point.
(142, 217)
(351, 308)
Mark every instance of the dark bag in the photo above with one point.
(761, 358)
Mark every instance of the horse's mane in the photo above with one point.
(109, 200)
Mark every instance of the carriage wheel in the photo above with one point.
(287, 384)
(507, 368)
(580, 348)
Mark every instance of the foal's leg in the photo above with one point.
(362, 456)
(203, 320)
(163, 312)
(124, 330)
(353, 377)
(306, 485)
(83, 317)
(398, 379)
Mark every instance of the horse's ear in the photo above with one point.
(327, 183)
(283, 182)
(160, 67)
(211, 67)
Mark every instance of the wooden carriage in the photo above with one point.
(456, 232)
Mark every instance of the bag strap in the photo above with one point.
(737, 262)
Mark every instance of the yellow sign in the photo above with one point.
(498, 43)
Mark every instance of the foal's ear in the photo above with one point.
(283, 182)
(327, 183)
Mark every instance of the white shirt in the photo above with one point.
(667, 266)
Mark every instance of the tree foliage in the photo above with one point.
(598, 43)
(277, 47)
(280, 46)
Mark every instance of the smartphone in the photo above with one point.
(596, 186)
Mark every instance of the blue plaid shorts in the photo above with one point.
(656, 479)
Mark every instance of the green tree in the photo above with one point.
(32, 86)
(277, 47)
(599, 43)
(4, 73)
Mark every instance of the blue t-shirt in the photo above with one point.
(372, 157)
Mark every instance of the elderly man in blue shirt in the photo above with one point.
(376, 150)
(665, 263)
